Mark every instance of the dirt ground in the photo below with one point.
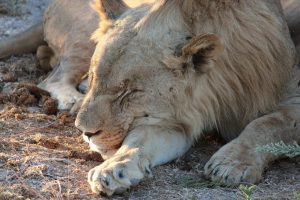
(42, 154)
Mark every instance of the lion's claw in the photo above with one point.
(118, 174)
(234, 163)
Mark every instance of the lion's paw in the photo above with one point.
(68, 100)
(118, 174)
(234, 163)
(67, 96)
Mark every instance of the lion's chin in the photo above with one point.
(106, 146)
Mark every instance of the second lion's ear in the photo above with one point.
(201, 50)
(109, 9)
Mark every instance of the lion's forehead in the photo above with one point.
(133, 42)
(138, 62)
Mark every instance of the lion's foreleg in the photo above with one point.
(239, 160)
(62, 83)
(144, 147)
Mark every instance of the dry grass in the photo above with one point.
(42, 161)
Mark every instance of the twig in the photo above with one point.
(38, 128)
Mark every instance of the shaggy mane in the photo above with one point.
(249, 77)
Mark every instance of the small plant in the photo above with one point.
(280, 148)
(246, 192)
(297, 195)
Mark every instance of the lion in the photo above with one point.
(164, 73)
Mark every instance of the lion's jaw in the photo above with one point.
(100, 148)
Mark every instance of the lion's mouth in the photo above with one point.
(105, 140)
(89, 135)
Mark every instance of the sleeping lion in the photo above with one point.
(162, 73)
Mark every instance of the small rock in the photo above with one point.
(9, 77)
(3, 98)
(49, 105)
(22, 96)
(65, 118)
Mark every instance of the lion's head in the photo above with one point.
(154, 67)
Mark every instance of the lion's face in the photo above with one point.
(138, 77)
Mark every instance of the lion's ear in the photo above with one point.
(201, 50)
(109, 9)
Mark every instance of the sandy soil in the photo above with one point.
(44, 157)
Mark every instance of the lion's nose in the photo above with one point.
(89, 134)
(86, 129)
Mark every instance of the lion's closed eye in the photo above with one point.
(129, 96)
(128, 93)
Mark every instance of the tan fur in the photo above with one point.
(257, 56)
